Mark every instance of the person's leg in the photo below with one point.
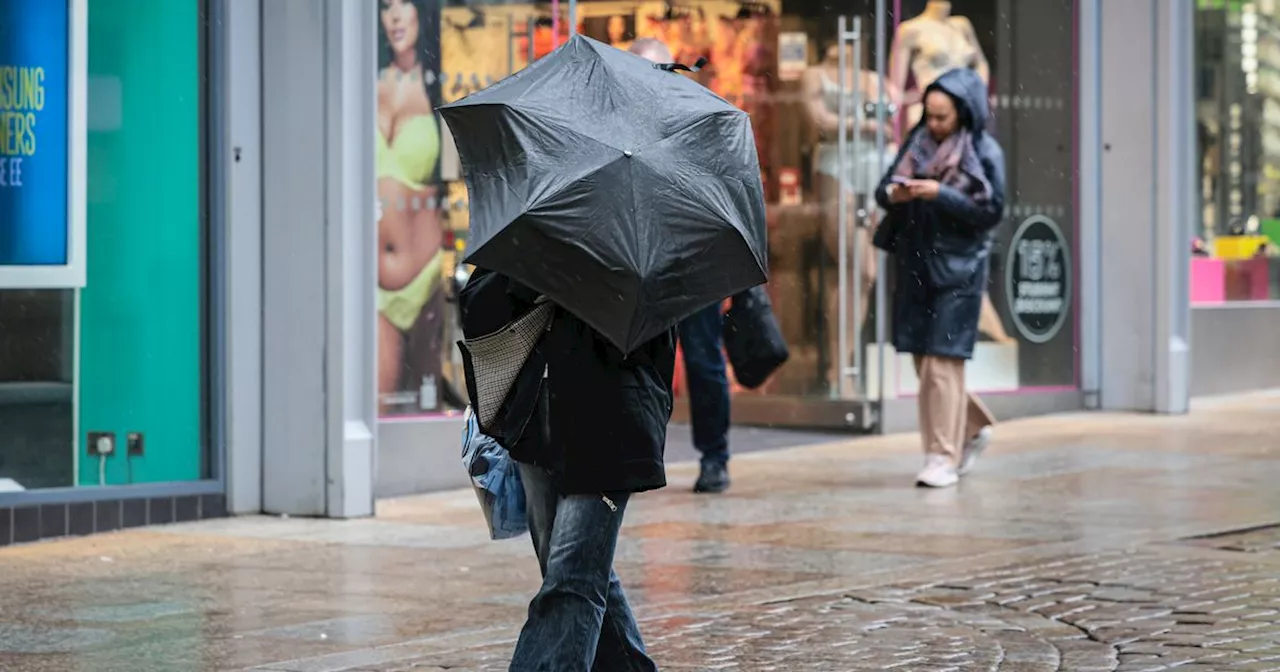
(977, 416)
(924, 394)
(942, 421)
(621, 648)
(565, 626)
(867, 278)
(701, 335)
(540, 500)
(977, 432)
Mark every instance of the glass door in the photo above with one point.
(809, 78)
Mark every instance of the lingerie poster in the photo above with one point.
(411, 218)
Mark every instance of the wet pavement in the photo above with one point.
(1086, 542)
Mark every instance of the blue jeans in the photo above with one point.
(701, 338)
(580, 620)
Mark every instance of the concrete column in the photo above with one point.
(1144, 203)
(318, 257)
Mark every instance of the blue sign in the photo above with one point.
(34, 86)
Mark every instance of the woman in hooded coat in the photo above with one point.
(945, 196)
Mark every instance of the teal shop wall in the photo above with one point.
(140, 352)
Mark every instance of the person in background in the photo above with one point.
(945, 196)
(701, 340)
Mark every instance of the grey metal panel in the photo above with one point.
(1234, 348)
(1128, 97)
(1089, 208)
(350, 306)
(1175, 176)
(294, 135)
(416, 457)
(238, 54)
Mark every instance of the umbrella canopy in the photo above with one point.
(626, 193)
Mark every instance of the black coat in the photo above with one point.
(941, 248)
(598, 418)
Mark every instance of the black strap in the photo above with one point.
(673, 67)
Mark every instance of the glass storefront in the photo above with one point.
(1235, 255)
(778, 60)
(105, 382)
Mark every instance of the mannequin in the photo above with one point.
(925, 47)
(821, 93)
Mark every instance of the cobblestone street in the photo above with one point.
(1083, 543)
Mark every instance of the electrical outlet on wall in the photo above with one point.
(134, 442)
(101, 443)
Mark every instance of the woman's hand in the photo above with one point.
(899, 193)
(925, 190)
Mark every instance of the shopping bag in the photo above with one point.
(495, 477)
(752, 338)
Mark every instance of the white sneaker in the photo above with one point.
(973, 450)
(938, 472)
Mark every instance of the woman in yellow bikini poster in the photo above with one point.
(411, 299)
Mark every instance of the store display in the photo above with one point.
(410, 218)
(853, 178)
(758, 58)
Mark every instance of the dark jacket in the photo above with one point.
(598, 419)
(942, 247)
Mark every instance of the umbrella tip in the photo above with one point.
(626, 153)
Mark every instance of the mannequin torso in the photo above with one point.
(930, 44)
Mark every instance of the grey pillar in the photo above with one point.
(318, 256)
(237, 139)
(1144, 206)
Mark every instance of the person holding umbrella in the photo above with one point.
(701, 343)
(610, 199)
(945, 196)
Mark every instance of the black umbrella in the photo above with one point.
(625, 192)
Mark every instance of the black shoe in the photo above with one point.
(713, 478)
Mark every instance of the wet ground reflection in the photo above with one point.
(421, 588)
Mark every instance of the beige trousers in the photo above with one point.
(949, 415)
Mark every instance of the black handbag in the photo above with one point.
(752, 338)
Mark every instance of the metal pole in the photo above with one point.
(555, 23)
(511, 44)
(859, 214)
(573, 17)
(842, 218)
(881, 257)
(530, 28)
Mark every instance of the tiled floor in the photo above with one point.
(1087, 542)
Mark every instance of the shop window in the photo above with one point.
(124, 359)
(1236, 245)
(776, 59)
